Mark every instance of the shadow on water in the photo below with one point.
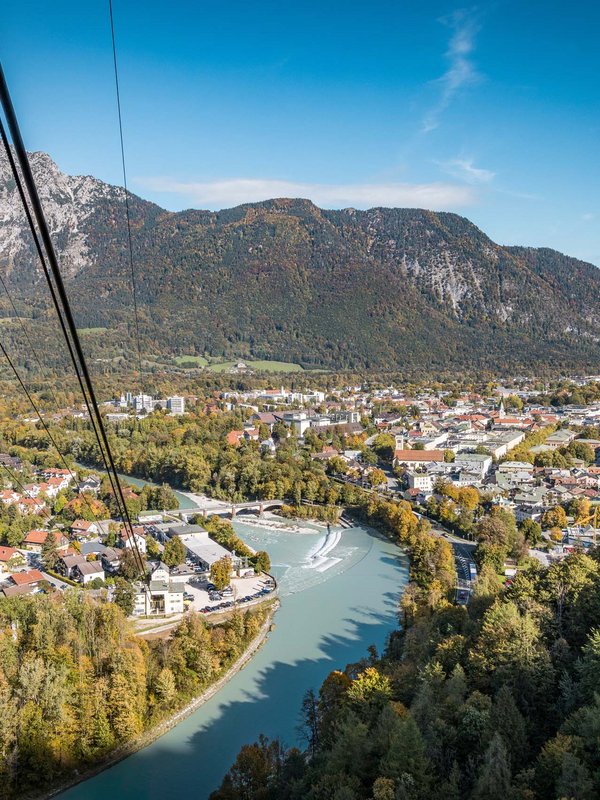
(317, 630)
(197, 764)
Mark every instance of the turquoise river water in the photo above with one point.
(338, 594)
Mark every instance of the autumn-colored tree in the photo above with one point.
(220, 572)
(174, 552)
(554, 518)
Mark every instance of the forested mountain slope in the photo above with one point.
(380, 289)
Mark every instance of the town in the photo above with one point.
(537, 462)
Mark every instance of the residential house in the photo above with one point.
(12, 462)
(136, 541)
(421, 481)
(32, 505)
(6, 553)
(66, 565)
(111, 559)
(90, 484)
(84, 529)
(36, 539)
(31, 578)
(86, 571)
(9, 497)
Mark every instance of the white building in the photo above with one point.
(161, 597)
(176, 405)
(143, 402)
(477, 463)
(423, 481)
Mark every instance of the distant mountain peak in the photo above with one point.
(382, 288)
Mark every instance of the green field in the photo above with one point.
(257, 366)
(187, 361)
(91, 330)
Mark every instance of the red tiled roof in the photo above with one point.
(233, 437)
(419, 455)
(23, 578)
(6, 553)
(36, 537)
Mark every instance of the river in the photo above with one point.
(338, 596)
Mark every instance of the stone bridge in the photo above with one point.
(223, 509)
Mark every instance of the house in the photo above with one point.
(6, 553)
(111, 559)
(529, 511)
(9, 497)
(90, 484)
(83, 529)
(35, 540)
(66, 564)
(12, 462)
(264, 418)
(54, 486)
(510, 568)
(137, 541)
(421, 481)
(31, 577)
(32, 505)
(233, 438)
(54, 472)
(162, 596)
(86, 571)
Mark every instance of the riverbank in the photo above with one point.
(162, 727)
(326, 619)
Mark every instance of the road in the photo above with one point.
(463, 550)
(463, 554)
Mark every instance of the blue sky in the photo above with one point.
(492, 111)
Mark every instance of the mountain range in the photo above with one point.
(384, 289)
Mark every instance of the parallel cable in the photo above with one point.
(55, 301)
(14, 307)
(16, 480)
(60, 287)
(29, 342)
(127, 213)
(43, 422)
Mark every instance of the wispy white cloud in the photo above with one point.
(465, 169)
(234, 191)
(461, 70)
(588, 217)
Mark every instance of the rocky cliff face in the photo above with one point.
(384, 288)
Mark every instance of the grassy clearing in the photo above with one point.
(190, 361)
(257, 366)
(91, 330)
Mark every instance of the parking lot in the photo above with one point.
(240, 591)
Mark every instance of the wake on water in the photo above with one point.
(330, 555)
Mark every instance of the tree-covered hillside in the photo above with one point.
(495, 701)
(283, 279)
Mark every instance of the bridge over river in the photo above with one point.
(208, 506)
